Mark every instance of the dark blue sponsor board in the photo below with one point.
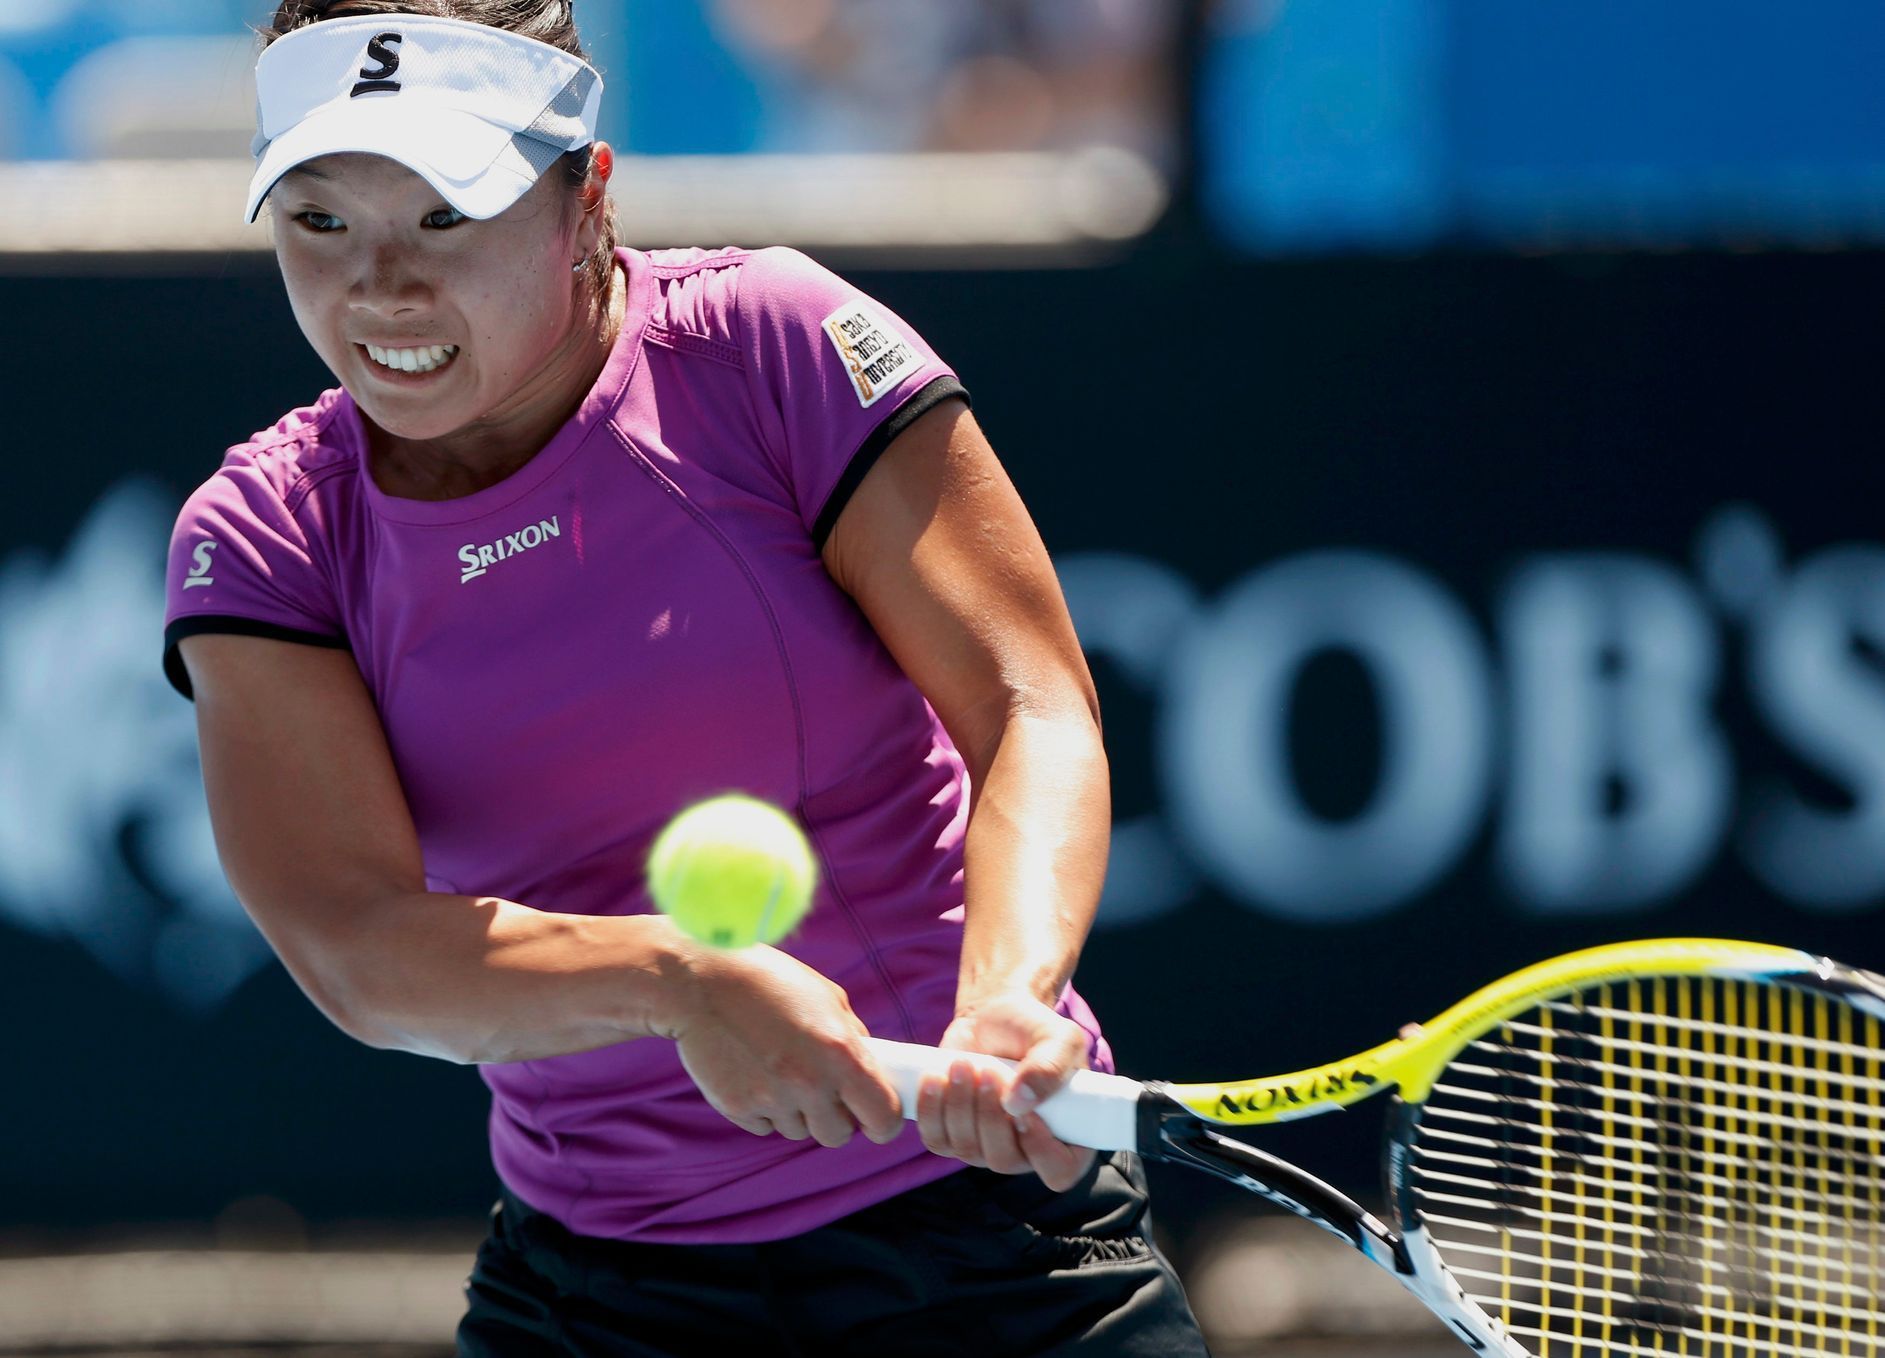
(1446, 614)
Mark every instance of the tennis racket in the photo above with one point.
(1665, 1147)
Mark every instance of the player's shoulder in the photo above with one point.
(285, 464)
(696, 297)
(715, 295)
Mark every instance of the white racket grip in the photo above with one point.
(1092, 1109)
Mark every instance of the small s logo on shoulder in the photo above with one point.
(199, 576)
(377, 78)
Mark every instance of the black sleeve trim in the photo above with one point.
(926, 399)
(179, 677)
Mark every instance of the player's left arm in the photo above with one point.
(940, 554)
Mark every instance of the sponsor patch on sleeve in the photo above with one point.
(873, 353)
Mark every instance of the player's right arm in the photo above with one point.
(318, 843)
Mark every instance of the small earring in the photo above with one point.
(577, 267)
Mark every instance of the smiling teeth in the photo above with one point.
(413, 360)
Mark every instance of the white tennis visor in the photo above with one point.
(478, 111)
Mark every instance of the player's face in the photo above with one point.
(372, 255)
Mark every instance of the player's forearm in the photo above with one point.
(1035, 857)
(477, 979)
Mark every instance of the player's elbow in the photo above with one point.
(383, 1031)
(335, 991)
(363, 1026)
(372, 998)
(377, 965)
(333, 952)
(1069, 706)
(1090, 702)
(376, 1011)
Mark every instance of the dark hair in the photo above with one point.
(548, 21)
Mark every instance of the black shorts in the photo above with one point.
(979, 1264)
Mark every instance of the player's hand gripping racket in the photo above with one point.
(1665, 1147)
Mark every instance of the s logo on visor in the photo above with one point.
(375, 78)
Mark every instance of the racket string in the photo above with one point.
(1860, 1287)
(1744, 1139)
(1769, 1070)
(1548, 1201)
(1682, 1166)
(1854, 1171)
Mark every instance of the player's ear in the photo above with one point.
(601, 167)
(588, 171)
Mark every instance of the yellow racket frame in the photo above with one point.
(1411, 1063)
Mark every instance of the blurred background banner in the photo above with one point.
(95, 79)
(1404, 124)
(1455, 425)
(1041, 131)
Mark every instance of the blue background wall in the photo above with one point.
(1631, 499)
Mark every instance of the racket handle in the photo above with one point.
(1092, 1109)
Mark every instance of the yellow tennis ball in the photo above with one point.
(733, 871)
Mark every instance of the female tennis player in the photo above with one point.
(583, 535)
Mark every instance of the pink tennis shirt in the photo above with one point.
(638, 618)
